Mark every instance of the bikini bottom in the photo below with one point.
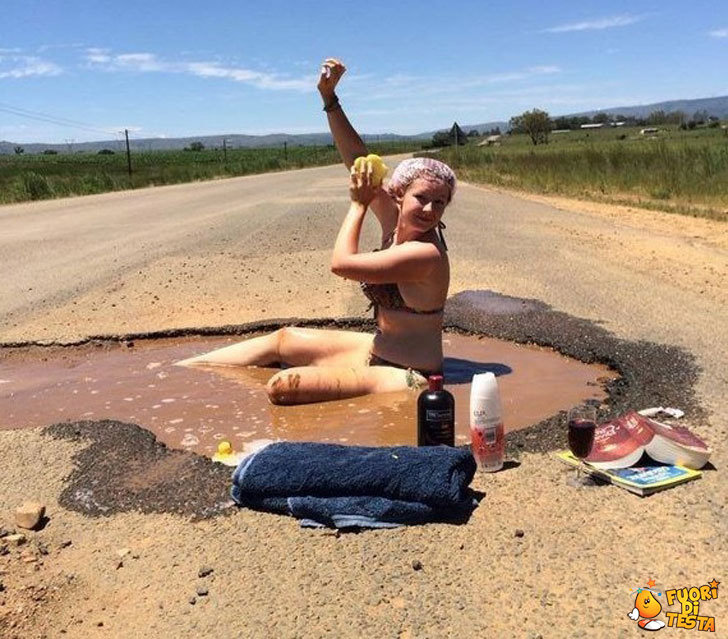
(375, 360)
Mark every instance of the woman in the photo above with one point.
(406, 280)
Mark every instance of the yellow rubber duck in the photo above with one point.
(225, 454)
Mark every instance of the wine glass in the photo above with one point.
(581, 422)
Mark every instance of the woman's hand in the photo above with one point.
(361, 189)
(331, 72)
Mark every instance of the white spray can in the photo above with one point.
(486, 423)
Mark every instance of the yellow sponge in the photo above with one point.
(379, 168)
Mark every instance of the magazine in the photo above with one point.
(641, 480)
(620, 443)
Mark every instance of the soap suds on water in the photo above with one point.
(195, 408)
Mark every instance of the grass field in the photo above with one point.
(679, 171)
(35, 177)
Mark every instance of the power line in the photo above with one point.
(44, 117)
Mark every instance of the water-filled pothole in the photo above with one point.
(194, 408)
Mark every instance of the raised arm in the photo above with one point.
(347, 140)
(407, 262)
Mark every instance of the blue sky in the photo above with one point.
(183, 68)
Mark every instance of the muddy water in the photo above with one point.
(195, 408)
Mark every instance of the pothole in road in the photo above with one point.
(194, 408)
(124, 468)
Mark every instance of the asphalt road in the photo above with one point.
(257, 247)
(246, 249)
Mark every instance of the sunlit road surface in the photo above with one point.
(243, 249)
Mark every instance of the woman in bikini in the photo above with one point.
(406, 281)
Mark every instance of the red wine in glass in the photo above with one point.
(581, 422)
(581, 436)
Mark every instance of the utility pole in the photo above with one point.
(128, 153)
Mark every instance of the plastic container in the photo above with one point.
(486, 423)
(435, 415)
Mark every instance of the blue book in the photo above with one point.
(645, 479)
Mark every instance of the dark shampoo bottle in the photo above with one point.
(435, 415)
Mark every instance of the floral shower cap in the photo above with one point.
(409, 170)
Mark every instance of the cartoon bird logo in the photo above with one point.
(647, 607)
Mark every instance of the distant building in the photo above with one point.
(649, 131)
(598, 125)
(490, 140)
(561, 131)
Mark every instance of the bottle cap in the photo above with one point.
(435, 382)
(484, 394)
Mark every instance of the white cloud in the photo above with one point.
(143, 62)
(104, 60)
(47, 47)
(719, 33)
(23, 66)
(239, 74)
(544, 69)
(398, 87)
(97, 56)
(598, 23)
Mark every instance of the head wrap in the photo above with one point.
(409, 170)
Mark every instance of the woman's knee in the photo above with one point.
(285, 339)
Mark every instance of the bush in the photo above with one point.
(50, 152)
(106, 152)
(36, 186)
(97, 183)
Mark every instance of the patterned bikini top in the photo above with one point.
(387, 295)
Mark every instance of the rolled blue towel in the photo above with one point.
(344, 486)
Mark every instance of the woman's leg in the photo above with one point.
(293, 346)
(305, 384)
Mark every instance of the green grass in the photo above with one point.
(35, 177)
(677, 171)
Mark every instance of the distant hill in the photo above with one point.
(717, 107)
(714, 106)
(234, 140)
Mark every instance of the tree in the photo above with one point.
(657, 117)
(441, 138)
(677, 117)
(50, 152)
(535, 123)
(106, 152)
(473, 133)
(701, 116)
(600, 118)
(195, 146)
(19, 150)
